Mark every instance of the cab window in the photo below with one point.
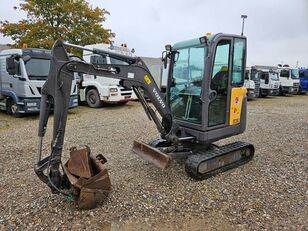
(284, 73)
(238, 62)
(17, 67)
(185, 92)
(98, 59)
(220, 84)
(117, 62)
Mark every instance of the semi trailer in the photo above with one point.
(23, 72)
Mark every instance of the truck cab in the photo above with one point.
(303, 78)
(22, 75)
(250, 85)
(96, 90)
(250, 76)
(269, 82)
(267, 79)
(274, 82)
(289, 79)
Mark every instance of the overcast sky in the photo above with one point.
(277, 30)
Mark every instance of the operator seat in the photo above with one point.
(217, 108)
(219, 82)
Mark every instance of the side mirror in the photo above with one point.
(166, 54)
(26, 58)
(164, 58)
(10, 65)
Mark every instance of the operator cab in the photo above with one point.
(201, 89)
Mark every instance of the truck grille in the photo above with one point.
(295, 84)
(126, 92)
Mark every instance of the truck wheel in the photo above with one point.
(281, 92)
(260, 94)
(299, 92)
(12, 109)
(93, 99)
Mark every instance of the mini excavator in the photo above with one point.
(204, 102)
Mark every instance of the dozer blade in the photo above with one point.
(153, 155)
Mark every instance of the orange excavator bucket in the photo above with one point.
(153, 155)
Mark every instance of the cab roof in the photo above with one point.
(196, 41)
(191, 42)
(33, 52)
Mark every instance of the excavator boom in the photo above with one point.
(55, 95)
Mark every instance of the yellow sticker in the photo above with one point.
(147, 79)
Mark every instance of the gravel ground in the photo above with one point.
(269, 193)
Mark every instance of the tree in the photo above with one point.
(48, 20)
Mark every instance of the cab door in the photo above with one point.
(219, 84)
(226, 76)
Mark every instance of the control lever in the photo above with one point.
(212, 95)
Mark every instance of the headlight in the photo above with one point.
(113, 89)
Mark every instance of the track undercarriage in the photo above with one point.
(202, 161)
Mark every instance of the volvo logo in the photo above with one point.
(159, 98)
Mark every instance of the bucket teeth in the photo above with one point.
(153, 155)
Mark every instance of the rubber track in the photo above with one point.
(193, 161)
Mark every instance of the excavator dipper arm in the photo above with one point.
(56, 93)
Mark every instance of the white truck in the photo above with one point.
(22, 75)
(97, 90)
(266, 79)
(250, 85)
(289, 79)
